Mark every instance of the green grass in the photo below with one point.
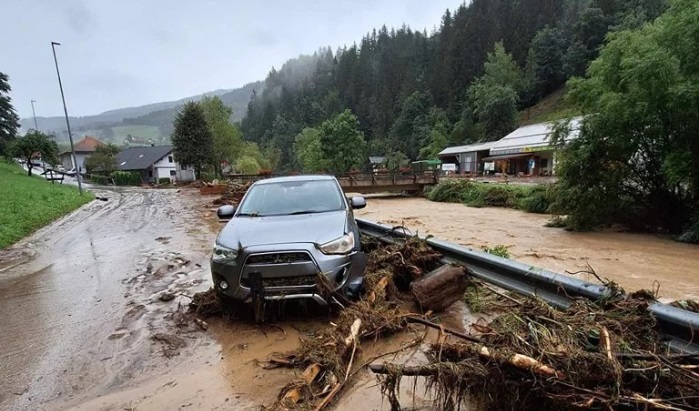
(500, 250)
(29, 203)
(138, 131)
(552, 107)
(532, 199)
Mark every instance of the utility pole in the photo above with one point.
(65, 110)
(36, 127)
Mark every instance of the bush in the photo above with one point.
(126, 178)
(500, 250)
(538, 200)
(207, 176)
(449, 191)
(164, 181)
(532, 199)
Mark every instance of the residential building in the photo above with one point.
(467, 158)
(83, 149)
(154, 164)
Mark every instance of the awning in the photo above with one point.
(507, 156)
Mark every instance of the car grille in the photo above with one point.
(279, 258)
(306, 280)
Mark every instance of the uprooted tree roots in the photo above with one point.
(598, 356)
(233, 194)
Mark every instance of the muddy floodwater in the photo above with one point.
(633, 260)
(83, 327)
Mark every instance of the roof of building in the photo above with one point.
(450, 151)
(528, 138)
(140, 158)
(377, 160)
(86, 145)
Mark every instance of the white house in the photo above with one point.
(83, 149)
(154, 164)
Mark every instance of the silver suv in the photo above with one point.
(285, 233)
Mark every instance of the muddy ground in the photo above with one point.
(80, 302)
(634, 260)
(83, 327)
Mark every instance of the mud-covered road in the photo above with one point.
(633, 260)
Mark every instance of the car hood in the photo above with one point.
(242, 232)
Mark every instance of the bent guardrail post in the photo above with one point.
(680, 326)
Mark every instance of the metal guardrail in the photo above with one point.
(680, 326)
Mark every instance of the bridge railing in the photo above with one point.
(362, 179)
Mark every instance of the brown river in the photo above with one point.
(633, 260)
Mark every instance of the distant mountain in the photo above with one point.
(151, 121)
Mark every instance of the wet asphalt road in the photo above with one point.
(69, 325)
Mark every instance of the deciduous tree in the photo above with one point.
(342, 143)
(636, 161)
(32, 144)
(227, 138)
(103, 160)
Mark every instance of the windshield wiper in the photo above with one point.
(247, 215)
(307, 212)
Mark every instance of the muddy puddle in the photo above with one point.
(634, 260)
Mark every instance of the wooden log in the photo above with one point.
(440, 288)
(294, 395)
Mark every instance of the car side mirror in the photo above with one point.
(357, 202)
(225, 212)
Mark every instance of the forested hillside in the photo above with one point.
(415, 92)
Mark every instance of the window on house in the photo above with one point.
(544, 163)
(169, 159)
(173, 173)
(150, 173)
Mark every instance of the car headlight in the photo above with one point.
(342, 245)
(222, 254)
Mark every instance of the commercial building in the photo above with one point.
(526, 151)
(468, 158)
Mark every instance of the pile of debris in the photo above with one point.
(233, 194)
(601, 355)
(604, 355)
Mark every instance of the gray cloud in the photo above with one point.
(132, 52)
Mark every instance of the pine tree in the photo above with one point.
(193, 144)
(9, 121)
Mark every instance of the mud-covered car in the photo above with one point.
(285, 233)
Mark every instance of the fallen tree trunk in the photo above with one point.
(440, 288)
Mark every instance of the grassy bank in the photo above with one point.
(532, 199)
(28, 203)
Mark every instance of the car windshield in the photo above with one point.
(292, 197)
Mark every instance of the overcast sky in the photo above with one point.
(120, 53)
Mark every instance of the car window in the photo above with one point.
(292, 197)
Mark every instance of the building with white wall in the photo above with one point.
(154, 164)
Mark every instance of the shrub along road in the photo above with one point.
(28, 203)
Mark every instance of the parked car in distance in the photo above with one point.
(285, 233)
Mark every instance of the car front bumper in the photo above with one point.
(288, 271)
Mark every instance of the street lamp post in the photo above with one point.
(36, 127)
(65, 110)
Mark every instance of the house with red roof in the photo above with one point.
(83, 149)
